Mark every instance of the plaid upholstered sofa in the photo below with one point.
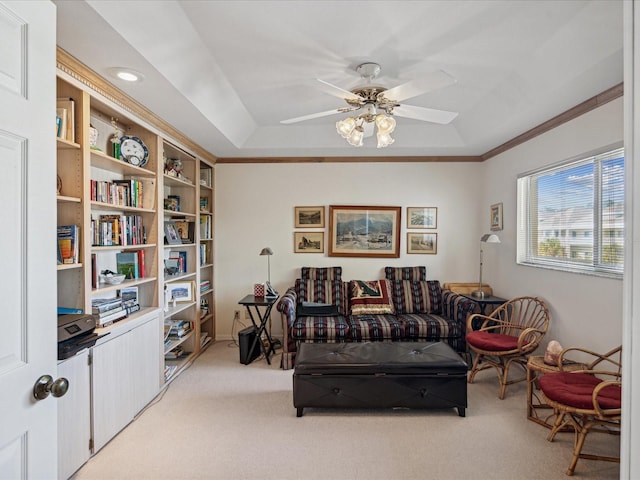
(404, 306)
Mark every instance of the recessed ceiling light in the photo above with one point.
(126, 74)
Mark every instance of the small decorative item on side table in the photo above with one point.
(536, 366)
(251, 301)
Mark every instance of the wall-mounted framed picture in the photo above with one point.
(422, 217)
(171, 234)
(308, 242)
(356, 231)
(180, 291)
(309, 217)
(496, 216)
(424, 243)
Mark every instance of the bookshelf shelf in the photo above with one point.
(64, 144)
(67, 199)
(103, 248)
(105, 162)
(104, 287)
(108, 206)
(69, 266)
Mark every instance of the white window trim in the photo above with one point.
(524, 236)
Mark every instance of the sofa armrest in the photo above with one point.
(456, 307)
(287, 306)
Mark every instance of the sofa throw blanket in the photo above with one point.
(371, 298)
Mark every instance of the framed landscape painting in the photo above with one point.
(425, 243)
(422, 217)
(308, 242)
(309, 217)
(356, 231)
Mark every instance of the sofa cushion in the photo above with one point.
(420, 326)
(405, 273)
(373, 297)
(364, 328)
(327, 273)
(417, 296)
(322, 291)
(320, 329)
(492, 342)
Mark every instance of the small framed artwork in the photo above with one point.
(496, 216)
(180, 291)
(185, 231)
(424, 243)
(308, 242)
(171, 234)
(422, 217)
(309, 217)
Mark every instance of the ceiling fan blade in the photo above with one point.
(318, 115)
(331, 89)
(432, 81)
(425, 114)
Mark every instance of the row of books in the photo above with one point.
(65, 119)
(68, 244)
(203, 254)
(108, 310)
(176, 263)
(108, 230)
(132, 192)
(206, 227)
(205, 285)
(130, 263)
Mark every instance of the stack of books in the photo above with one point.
(176, 328)
(108, 310)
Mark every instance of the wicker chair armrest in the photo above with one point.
(530, 336)
(603, 412)
(593, 359)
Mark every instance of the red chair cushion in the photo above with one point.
(575, 390)
(495, 342)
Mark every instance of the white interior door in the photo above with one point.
(28, 276)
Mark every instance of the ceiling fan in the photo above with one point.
(375, 99)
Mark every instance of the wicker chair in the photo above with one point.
(507, 335)
(584, 399)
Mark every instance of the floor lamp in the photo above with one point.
(487, 238)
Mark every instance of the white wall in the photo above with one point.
(255, 208)
(585, 310)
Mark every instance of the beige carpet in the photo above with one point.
(224, 420)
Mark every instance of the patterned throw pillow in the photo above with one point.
(370, 297)
(405, 273)
(325, 273)
(417, 297)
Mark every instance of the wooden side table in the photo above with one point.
(535, 368)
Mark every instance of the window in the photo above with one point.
(583, 195)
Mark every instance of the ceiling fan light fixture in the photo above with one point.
(384, 139)
(345, 126)
(385, 124)
(357, 136)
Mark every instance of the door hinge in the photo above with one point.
(91, 444)
(89, 359)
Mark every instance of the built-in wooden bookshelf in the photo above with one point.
(119, 208)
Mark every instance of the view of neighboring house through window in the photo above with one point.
(571, 216)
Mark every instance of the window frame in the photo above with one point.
(527, 231)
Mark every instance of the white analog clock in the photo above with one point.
(133, 151)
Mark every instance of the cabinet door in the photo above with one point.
(74, 415)
(112, 386)
(145, 362)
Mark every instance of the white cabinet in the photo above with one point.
(74, 415)
(125, 377)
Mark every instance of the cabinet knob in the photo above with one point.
(46, 385)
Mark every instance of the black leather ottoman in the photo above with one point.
(379, 375)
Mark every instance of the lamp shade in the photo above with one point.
(490, 238)
(266, 251)
(345, 127)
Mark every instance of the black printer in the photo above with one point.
(75, 333)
